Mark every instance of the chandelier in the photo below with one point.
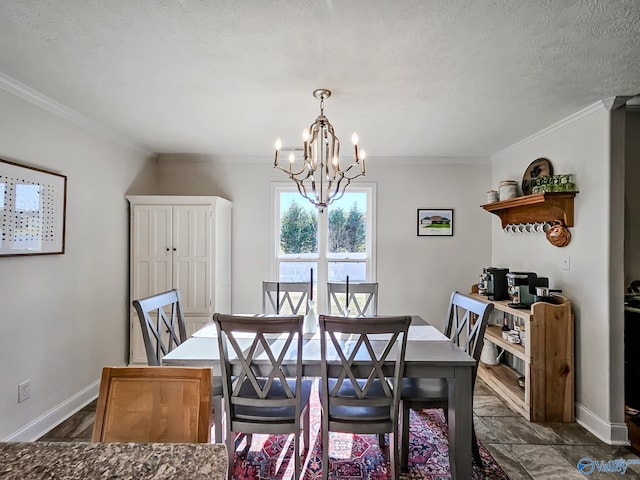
(317, 172)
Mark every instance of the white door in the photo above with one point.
(151, 250)
(192, 257)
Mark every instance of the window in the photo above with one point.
(335, 243)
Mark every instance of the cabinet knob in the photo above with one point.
(168, 249)
(174, 249)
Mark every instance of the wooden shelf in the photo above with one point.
(494, 334)
(504, 380)
(548, 395)
(540, 207)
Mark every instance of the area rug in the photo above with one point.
(359, 457)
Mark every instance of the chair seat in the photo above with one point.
(359, 413)
(276, 392)
(425, 390)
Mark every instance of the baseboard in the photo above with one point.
(610, 433)
(54, 417)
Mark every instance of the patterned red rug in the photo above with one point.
(358, 457)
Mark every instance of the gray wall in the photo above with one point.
(64, 316)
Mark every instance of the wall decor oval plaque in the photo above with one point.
(540, 167)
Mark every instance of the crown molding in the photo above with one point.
(24, 92)
(599, 106)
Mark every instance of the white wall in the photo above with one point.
(580, 145)
(416, 274)
(65, 316)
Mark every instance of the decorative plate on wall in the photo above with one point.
(540, 167)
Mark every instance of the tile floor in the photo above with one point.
(526, 451)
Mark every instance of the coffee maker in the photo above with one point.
(493, 283)
(522, 288)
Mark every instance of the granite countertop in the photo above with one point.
(113, 461)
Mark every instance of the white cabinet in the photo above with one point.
(181, 242)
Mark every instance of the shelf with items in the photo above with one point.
(494, 333)
(535, 208)
(547, 356)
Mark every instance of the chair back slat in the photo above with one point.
(285, 297)
(162, 322)
(363, 298)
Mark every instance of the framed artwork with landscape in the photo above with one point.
(32, 207)
(435, 222)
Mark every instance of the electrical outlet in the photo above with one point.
(24, 391)
(565, 263)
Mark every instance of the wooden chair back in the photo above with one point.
(289, 298)
(162, 322)
(154, 404)
(467, 320)
(363, 298)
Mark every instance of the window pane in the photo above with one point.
(298, 225)
(297, 271)
(338, 271)
(347, 224)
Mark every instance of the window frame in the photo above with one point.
(322, 258)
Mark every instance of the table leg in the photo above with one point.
(460, 423)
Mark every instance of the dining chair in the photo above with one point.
(162, 322)
(356, 395)
(290, 298)
(264, 391)
(163, 328)
(363, 298)
(467, 320)
(154, 404)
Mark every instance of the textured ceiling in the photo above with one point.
(414, 78)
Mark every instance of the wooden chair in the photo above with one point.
(363, 298)
(356, 396)
(163, 328)
(466, 322)
(265, 393)
(154, 404)
(289, 298)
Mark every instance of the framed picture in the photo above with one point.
(32, 209)
(434, 222)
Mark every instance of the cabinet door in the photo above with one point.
(192, 257)
(193, 324)
(151, 250)
(137, 353)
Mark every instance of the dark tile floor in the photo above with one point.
(526, 451)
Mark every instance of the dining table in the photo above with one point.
(428, 354)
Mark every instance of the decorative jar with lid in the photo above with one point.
(508, 189)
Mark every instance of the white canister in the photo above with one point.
(508, 189)
(492, 196)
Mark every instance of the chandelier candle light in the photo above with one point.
(320, 179)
